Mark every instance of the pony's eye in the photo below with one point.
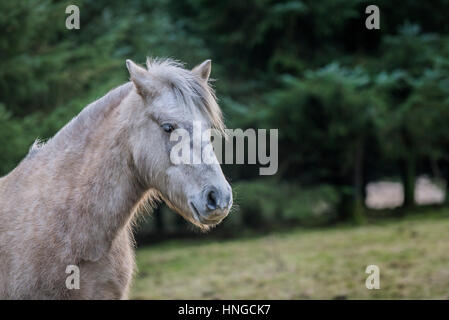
(168, 127)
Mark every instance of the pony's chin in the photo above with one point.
(206, 226)
(195, 219)
(193, 216)
(203, 226)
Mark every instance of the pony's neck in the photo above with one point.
(95, 166)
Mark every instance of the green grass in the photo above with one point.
(412, 254)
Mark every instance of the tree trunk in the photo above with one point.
(445, 177)
(408, 181)
(358, 214)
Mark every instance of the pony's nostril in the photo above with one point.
(212, 200)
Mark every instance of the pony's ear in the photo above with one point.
(203, 69)
(139, 76)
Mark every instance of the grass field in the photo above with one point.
(412, 254)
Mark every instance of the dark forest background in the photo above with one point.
(352, 105)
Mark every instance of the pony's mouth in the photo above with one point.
(196, 214)
(201, 219)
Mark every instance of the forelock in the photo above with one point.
(188, 88)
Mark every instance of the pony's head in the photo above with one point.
(169, 103)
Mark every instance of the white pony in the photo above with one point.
(71, 201)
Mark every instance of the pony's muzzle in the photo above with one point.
(213, 204)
